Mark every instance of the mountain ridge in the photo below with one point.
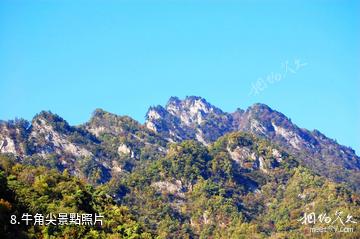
(192, 118)
(190, 171)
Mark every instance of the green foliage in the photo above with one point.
(186, 161)
(188, 191)
(39, 190)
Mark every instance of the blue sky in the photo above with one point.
(71, 57)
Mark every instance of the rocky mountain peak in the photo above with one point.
(47, 121)
(48, 116)
(260, 107)
(195, 118)
(103, 122)
(192, 108)
(98, 113)
(173, 101)
(190, 118)
(51, 134)
(156, 112)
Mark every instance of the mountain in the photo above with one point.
(124, 134)
(195, 118)
(190, 171)
(241, 186)
(192, 118)
(108, 136)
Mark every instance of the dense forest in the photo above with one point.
(193, 191)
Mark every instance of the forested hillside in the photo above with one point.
(191, 171)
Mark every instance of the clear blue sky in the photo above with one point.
(124, 56)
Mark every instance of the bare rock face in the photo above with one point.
(175, 187)
(241, 155)
(47, 140)
(123, 149)
(191, 118)
(248, 159)
(7, 145)
(191, 111)
(13, 136)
